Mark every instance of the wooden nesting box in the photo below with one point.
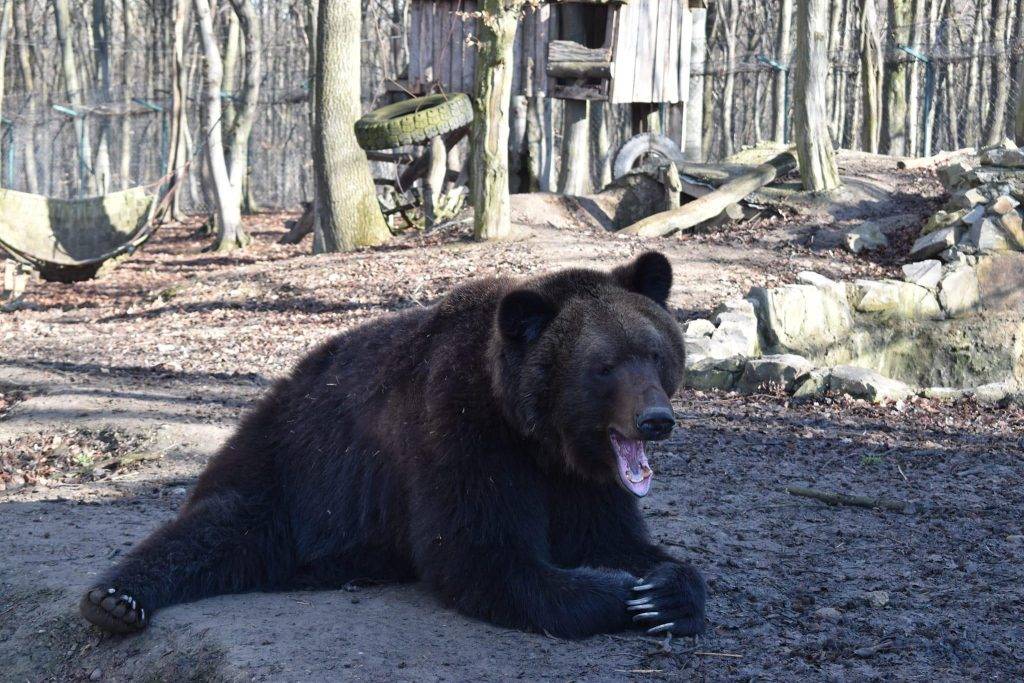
(636, 50)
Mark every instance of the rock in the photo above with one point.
(827, 238)
(896, 299)
(971, 217)
(943, 393)
(714, 373)
(924, 273)
(959, 291)
(867, 384)
(968, 199)
(809, 277)
(1013, 226)
(829, 614)
(779, 371)
(865, 237)
(696, 349)
(953, 175)
(877, 599)
(933, 243)
(96, 675)
(987, 237)
(1002, 156)
(943, 219)
(799, 318)
(1001, 282)
(698, 328)
(996, 394)
(953, 255)
(736, 334)
(814, 384)
(1004, 204)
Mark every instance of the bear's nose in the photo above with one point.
(655, 423)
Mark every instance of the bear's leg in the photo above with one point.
(220, 544)
(671, 594)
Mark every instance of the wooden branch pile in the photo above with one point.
(715, 203)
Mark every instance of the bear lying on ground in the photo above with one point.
(490, 445)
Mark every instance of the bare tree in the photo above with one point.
(101, 41)
(6, 24)
(69, 67)
(895, 111)
(1001, 75)
(347, 209)
(783, 54)
(813, 140)
(230, 234)
(872, 72)
(491, 101)
(26, 69)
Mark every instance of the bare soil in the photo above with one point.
(114, 393)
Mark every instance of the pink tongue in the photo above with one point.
(634, 470)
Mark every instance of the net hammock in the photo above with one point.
(69, 240)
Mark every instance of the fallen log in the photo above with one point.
(714, 203)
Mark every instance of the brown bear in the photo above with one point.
(490, 445)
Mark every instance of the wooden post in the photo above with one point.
(433, 184)
(813, 139)
(693, 135)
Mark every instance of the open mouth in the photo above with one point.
(634, 471)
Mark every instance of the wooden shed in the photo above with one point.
(636, 51)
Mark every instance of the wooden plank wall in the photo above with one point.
(652, 52)
(439, 54)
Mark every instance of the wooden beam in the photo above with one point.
(580, 69)
(571, 51)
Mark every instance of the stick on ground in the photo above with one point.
(854, 501)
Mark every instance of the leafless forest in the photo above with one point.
(104, 94)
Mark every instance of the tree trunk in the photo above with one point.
(128, 30)
(914, 86)
(972, 134)
(729, 20)
(872, 73)
(783, 38)
(177, 155)
(813, 140)
(229, 219)
(348, 212)
(69, 69)
(895, 112)
(246, 102)
(1001, 75)
(28, 81)
(491, 99)
(101, 42)
(6, 24)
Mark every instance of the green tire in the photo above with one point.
(414, 121)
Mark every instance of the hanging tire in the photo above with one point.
(414, 121)
(645, 144)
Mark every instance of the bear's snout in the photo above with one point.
(655, 423)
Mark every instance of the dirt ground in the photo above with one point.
(114, 393)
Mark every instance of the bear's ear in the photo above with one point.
(650, 274)
(523, 314)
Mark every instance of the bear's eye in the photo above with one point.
(605, 369)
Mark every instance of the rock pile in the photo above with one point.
(983, 214)
(945, 331)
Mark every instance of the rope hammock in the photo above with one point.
(71, 240)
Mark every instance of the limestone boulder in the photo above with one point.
(714, 373)
(736, 332)
(987, 237)
(997, 393)
(815, 383)
(1001, 282)
(773, 372)
(925, 274)
(1012, 225)
(800, 318)
(895, 299)
(865, 237)
(959, 291)
(867, 384)
(934, 243)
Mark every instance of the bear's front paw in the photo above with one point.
(113, 610)
(670, 599)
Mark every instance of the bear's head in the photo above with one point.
(585, 363)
